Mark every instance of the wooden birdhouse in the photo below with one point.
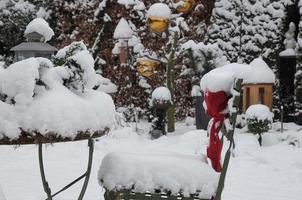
(258, 86)
(158, 17)
(146, 67)
(185, 6)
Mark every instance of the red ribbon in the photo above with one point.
(216, 103)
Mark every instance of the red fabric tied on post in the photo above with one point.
(216, 103)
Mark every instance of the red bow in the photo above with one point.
(216, 103)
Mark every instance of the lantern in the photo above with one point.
(186, 6)
(158, 17)
(146, 67)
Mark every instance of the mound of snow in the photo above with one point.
(2, 197)
(161, 94)
(123, 30)
(222, 78)
(160, 10)
(260, 112)
(34, 99)
(40, 26)
(147, 172)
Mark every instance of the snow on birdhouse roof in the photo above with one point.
(160, 10)
(123, 30)
(222, 78)
(147, 172)
(260, 73)
(40, 26)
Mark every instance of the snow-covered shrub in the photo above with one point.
(259, 119)
(79, 64)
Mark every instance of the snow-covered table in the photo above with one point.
(42, 103)
(157, 176)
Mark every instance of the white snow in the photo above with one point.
(222, 78)
(86, 61)
(260, 72)
(288, 53)
(62, 52)
(161, 94)
(123, 30)
(40, 26)
(105, 85)
(53, 108)
(260, 112)
(2, 197)
(147, 172)
(273, 171)
(160, 10)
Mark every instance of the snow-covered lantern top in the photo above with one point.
(161, 98)
(37, 33)
(258, 85)
(123, 33)
(183, 6)
(158, 17)
(146, 67)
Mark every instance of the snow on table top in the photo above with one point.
(147, 172)
(123, 30)
(159, 10)
(55, 109)
(40, 26)
(259, 111)
(161, 94)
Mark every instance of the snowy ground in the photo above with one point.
(273, 171)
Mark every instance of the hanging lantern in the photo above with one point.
(146, 67)
(186, 6)
(158, 17)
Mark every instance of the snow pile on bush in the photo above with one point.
(159, 10)
(147, 172)
(259, 119)
(40, 26)
(259, 111)
(35, 96)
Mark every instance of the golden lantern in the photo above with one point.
(158, 17)
(158, 24)
(146, 67)
(186, 6)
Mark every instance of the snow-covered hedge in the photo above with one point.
(37, 96)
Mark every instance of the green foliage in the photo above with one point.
(258, 126)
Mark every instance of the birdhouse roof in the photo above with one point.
(260, 73)
(34, 46)
(123, 30)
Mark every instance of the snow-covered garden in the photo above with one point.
(177, 99)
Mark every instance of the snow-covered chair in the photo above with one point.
(156, 176)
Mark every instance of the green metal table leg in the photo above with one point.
(45, 183)
(91, 147)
